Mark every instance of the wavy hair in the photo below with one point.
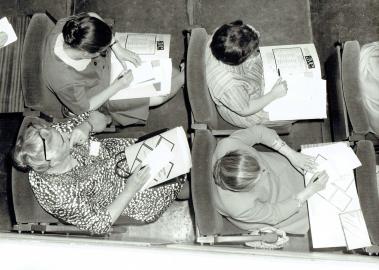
(28, 152)
(234, 42)
(87, 33)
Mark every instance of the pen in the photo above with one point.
(315, 179)
(279, 72)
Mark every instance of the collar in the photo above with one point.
(79, 65)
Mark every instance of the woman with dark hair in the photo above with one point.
(234, 72)
(85, 187)
(255, 189)
(76, 67)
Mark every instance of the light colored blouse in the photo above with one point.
(233, 88)
(271, 201)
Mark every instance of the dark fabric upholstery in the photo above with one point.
(36, 95)
(208, 220)
(336, 101)
(11, 99)
(279, 22)
(202, 106)
(25, 205)
(352, 92)
(368, 189)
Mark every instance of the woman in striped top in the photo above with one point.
(234, 74)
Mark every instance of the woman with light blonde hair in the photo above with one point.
(85, 181)
(256, 189)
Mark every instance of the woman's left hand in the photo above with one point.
(127, 55)
(304, 162)
(80, 134)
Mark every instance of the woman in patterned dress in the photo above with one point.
(89, 190)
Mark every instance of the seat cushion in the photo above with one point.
(367, 187)
(351, 87)
(208, 220)
(36, 94)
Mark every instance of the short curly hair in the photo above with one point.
(234, 42)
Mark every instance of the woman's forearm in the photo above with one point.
(96, 101)
(121, 202)
(256, 105)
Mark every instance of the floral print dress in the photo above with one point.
(81, 195)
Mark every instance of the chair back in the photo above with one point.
(25, 205)
(208, 220)
(351, 88)
(367, 187)
(36, 95)
(202, 106)
(337, 109)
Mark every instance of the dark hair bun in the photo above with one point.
(72, 32)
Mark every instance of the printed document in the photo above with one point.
(299, 65)
(153, 77)
(168, 155)
(328, 207)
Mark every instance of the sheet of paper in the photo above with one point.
(142, 73)
(339, 196)
(173, 152)
(305, 99)
(152, 78)
(292, 60)
(148, 46)
(299, 65)
(6, 27)
(355, 230)
(159, 160)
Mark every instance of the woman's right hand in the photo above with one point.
(280, 88)
(138, 178)
(124, 79)
(318, 182)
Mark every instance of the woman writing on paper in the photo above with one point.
(76, 67)
(255, 189)
(86, 182)
(234, 72)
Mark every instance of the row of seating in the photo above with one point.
(207, 126)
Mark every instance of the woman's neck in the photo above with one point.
(72, 53)
(64, 166)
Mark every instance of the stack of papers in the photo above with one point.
(153, 76)
(299, 66)
(168, 155)
(334, 213)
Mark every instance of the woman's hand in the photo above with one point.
(123, 80)
(80, 134)
(99, 121)
(128, 55)
(138, 178)
(280, 88)
(318, 182)
(301, 161)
